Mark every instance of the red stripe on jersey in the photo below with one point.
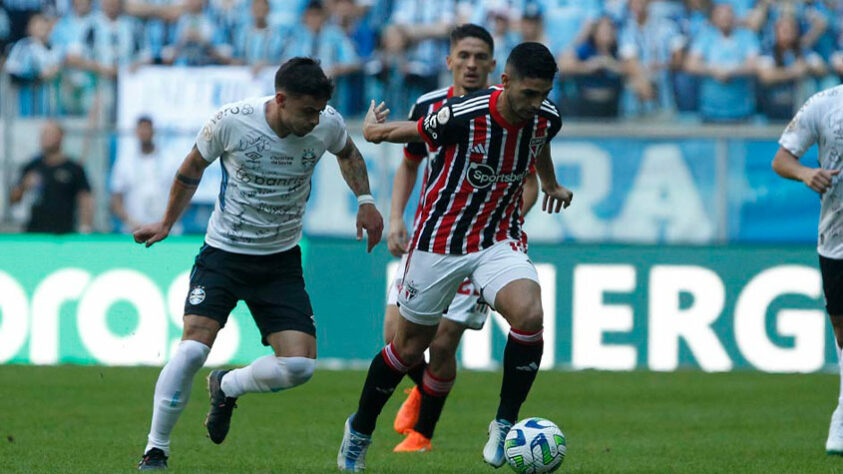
(434, 193)
(507, 164)
(443, 233)
(503, 227)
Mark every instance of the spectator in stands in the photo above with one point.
(316, 38)
(20, 12)
(814, 20)
(648, 45)
(569, 20)
(415, 41)
(350, 18)
(725, 58)
(743, 10)
(57, 187)
(782, 71)
(532, 26)
(76, 84)
(194, 39)
(258, 44)
(110, 40)
(485, 12)
(691, 25)
(5, 32)
(504, 38)
(139, 179)
(229, 16)
(597, 71)
(34, 66)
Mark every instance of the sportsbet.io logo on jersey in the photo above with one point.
(481, 176)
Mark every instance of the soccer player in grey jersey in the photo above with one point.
(820, 121)
(268, 148)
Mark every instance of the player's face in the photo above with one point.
(300, 113)
(471, 62)
(525, 94)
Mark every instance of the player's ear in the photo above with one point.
(505, 80)
(449, 62)
(280, 98)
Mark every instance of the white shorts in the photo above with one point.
(432, 280)
(466, 308)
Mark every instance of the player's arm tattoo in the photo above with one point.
(353, 168)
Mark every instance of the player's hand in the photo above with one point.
(396, 239)
(557, 198)
(151, 233)
(819, 179)
(370, 219)
(376, 114)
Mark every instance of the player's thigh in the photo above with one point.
(213, 292)
(429, 285)
(508, 280)
(292, 344)
(832, 277)
(280, 302)
(390, 318)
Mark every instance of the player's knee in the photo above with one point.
(442, 352)
(529, 316)
(299, 369)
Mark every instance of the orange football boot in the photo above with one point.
(415, 442)
(408, 414)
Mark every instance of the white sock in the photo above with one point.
(173, 390)
(268, 374)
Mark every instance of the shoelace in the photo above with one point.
(356, 447)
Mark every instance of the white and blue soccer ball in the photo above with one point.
(534, 446)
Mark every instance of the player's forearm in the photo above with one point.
(393, 132)
(531, 193)
(402, 187)
(184, 187)
(788, 166)
(545, 171)
(353, 168)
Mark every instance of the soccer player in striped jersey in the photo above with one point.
(471, 60)
(470, 226)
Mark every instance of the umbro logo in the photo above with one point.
(531, 367)
(480, 149)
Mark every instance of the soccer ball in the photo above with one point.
(535, 445)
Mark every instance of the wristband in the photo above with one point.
(365, 199)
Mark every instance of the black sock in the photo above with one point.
(434, 392)
(380, 383)
(521, 360)
(416, 373)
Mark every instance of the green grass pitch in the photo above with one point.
(94, 420)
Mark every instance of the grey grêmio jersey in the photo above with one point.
(820, 120)
(265, 178)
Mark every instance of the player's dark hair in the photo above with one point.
(470, 30)
(144, 119)
(531, 60)
(304, 76)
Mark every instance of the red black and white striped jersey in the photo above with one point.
(472, 197)
(425, 104)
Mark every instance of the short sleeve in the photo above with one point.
(802, 132)
(439, 127)
(415, 151)
(214, 135)
(82, 184)
(338, 136)
(120, 179)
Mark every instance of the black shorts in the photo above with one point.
(832, 273)
(271, 285)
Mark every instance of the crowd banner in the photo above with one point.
(106, 300)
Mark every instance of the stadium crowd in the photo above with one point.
(720, 60)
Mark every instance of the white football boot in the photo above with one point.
(352, 454)
(493, 452)
(834, 444)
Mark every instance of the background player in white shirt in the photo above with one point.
(471, 60)
(820, 121)
(268, 148)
